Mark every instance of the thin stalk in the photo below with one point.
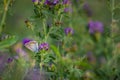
(44, 28)
(4, 14)
(113, 7)
(113, 20)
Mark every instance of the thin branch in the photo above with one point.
(6, 5)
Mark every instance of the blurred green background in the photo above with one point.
(23, 9)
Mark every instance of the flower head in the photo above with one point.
(68, 31)
(35, 74)
(90, 57)
(9, 60)
(87, 9)
(95, 27)
(66, 1)
(44, 46)
(68, 10)
(51, 2)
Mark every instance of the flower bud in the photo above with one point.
(68, 31)
(44, 46)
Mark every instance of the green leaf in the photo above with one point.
(57, 34)
(77, 72)
(56, 51)
(8, 42)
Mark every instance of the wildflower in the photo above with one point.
(35, 75)
(68, 10)
(44, 46)
(31, 44)
(95, 27)
(3, 61)
(90, 57)
(55, 1)
(51, 3)
(9, 60)
(68, 31)
(87, 9)
(66, 2)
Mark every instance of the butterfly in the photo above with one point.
(32, 45)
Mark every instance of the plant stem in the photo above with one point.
(44, 27)
(112, 21)
(113, 7)
(4, 14)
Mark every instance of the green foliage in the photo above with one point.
(8, 42)
(68, 56)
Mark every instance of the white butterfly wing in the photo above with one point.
(32, 45)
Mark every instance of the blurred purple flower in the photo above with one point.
(68, 10)
(91, 58)
(3, 61)
(35, 75)
(87, 9)
(68, 31)
(44, 46)
(51, 3)
(9, 60)
(95, 27)
(34, 0)
(66, 1)
(16, 57)
(55, 1)
(22, 54)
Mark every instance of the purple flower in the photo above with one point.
(95, 27)
(44, 46)
(22, 54)
(51, 3)
(3, 61)
(55, 1)
(68, 31)
(35, 0)
(9, 60)
(68, 10)
(90, 57)
(35, 75)
(26, 40)
(87, 9)
(66, 1)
